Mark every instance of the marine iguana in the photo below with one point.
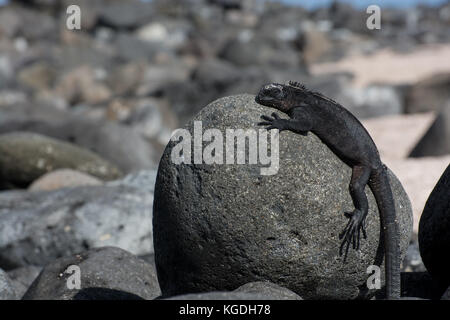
(348, 139)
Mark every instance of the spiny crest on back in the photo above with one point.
(297, 85)
(300, 86)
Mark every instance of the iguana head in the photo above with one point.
(280, 96)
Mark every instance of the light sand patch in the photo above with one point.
(418, 177)
(395, 136)
(389, 67)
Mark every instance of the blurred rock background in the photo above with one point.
(109, 95)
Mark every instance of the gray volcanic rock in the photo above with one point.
(434, 235)
(106, 273)
(27, 156)
(39, 24)
(258, 52)
(430, 94)
(260, 290)
(222, 295)
(436, 141)
(7, 291)
(125, 14)
(38, 227)
(23, 277)
(143, 180)
(270, 289)
(420, 285)
(217, 227)
(130, 47)
(116, 143)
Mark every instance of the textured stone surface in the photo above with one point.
(222, 295)
(269, 289)
(7, 291)
(107, 273)
(434, 235)
(23, 277)
(217, 227)
(260, 290)
(38, 227)
(27, 156)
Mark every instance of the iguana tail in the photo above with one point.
(381, 189)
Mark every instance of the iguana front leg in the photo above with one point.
(300, 126)
(352, 232)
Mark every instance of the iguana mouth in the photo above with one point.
(260, 99)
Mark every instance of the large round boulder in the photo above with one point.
(219, 226)
(434, 231)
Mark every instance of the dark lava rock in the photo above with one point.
(429, 94)
(131, 48)
(73, 56)
(23, 277)
(217, 227)
(420, 285)
(227, 4)
(125, 14)
(436, 141)
(107, 273)
(7, 291)
(38, 227)
(256, 51)
(434, 226)
(27, 156)
(217, 73)
(344, 15)
(38, 26)
(212, 79)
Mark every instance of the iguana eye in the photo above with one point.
(274, 91)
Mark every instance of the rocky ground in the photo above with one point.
(85, 117)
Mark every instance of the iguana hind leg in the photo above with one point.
(352, 232)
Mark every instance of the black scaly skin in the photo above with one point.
(349, 140)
